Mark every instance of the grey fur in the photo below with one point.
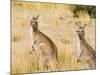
(88, 54)
(44, 47)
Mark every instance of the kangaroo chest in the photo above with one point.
(34, 38)
(78, 47)
(84, 55)
(38, 39)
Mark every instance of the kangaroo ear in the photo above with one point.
(78, 24)
(84, 25)
(37, 16)
(33, 18)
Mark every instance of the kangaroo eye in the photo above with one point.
(82, 31)
(77, 31)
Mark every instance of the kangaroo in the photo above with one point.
(86, 54)
(44, 47)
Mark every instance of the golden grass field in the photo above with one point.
(55, 21)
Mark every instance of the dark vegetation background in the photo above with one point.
(90, 10)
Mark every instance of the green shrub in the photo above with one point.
(90, 10)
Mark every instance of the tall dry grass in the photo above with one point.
(57, 22)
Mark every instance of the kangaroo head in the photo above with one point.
(34, 23)
(80, 30)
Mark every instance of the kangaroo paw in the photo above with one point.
(33, 48)
(78, 61)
